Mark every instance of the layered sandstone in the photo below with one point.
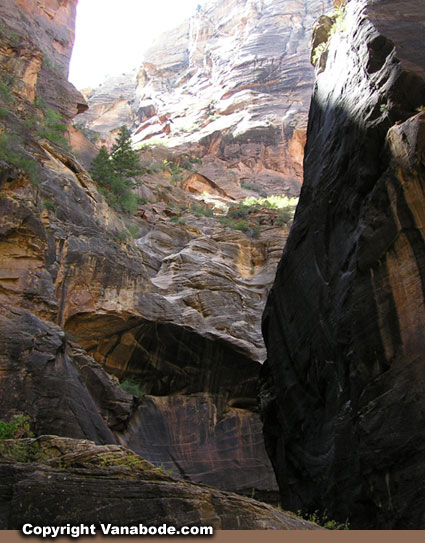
(37, 40)
(177, 308)
(234, 81)
(342, 388)
(60, 481)
(153, 309)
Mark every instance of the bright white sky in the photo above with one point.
(111, 35)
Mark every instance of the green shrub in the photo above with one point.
(238, 212)
(187, 164)
(323, 520)
(252, 186)
(17, 428)
(339, 24)
(14, 39)
(202, 210)
(131, 386)
(49, 205)
(128, 203)
(6, 87)
(241, 225)
(318, 52)
(152, 142)
(256, 231)
(133, 230)
(11, 152)
(39, 102)
(235, 225)
(121, 236)
(284, 216)
(270, 202)
(53, 128)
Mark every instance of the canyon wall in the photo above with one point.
(342, 389)
(233, 82)
(37, 41)
(85, 305)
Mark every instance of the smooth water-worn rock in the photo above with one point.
(59, 481)
(200, 437)
(342, 390)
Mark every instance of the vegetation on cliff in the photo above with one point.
(116, 173)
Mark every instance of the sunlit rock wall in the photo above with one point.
(235, 78)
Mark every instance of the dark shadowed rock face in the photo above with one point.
(200, 438)
(60, 388)
(342, 391)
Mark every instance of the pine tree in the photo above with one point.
(125, 160)
(113, 173)
(102, 169)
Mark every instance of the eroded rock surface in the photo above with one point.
(37, 40)
(177, 308)
(152, 310)
(69, 481)
(200, 437)
(234, 78)
(342, 395)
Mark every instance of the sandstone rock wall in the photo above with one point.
(235, 78)
(162, 323)
(177, 309)
(342, 397)
(37, 40)
(66, 481)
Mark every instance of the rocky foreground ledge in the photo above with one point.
(53, 480)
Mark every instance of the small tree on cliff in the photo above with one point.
(124, 159)
(115, 173)
(102, 169)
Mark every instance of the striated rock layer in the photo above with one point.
(342, 390)
(59, 481)
(128, 306)
(36, 46)
(84, 306)
(235, 78)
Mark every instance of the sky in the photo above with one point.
(111, 35)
